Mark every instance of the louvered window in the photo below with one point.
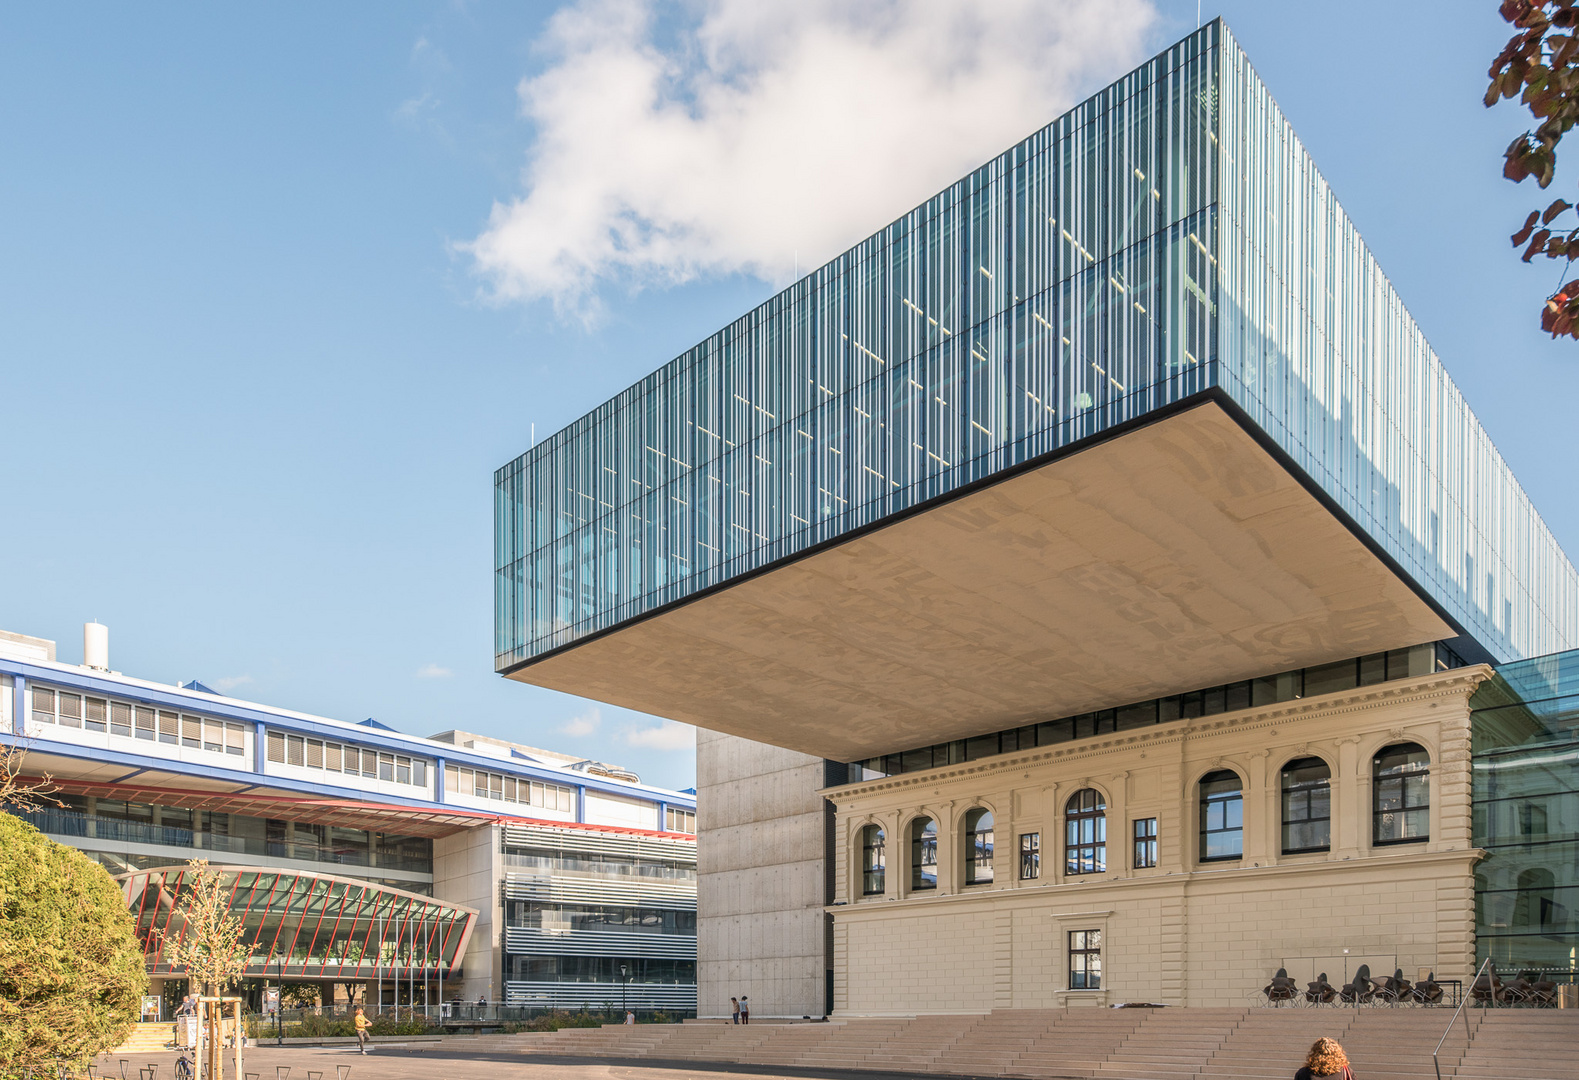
(145, 722)
(192, 732)
(452, 779)
(96, 712)
(277, 747)
(386, 766)
(419, 772)
(295, 749)
(402, 770)
(236, 739)
(480, 785)
(70, 710)
(120, 718)
(509, 789)
(314, 754)
(333, 757)
(169, 727)
(369, 764)
(214, 736)
(43, 705)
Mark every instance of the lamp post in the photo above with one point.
(624, 982)
(279, 1004)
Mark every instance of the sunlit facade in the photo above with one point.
(1167, 238)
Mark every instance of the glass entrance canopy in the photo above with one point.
(311, 925)
(1167, 240)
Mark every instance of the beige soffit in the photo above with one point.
(1176, 556)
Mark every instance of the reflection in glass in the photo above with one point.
(1030, 856)
(1307, 806)
(1401, 786)
(1085, 959)
(874, 860)
(923, 854)
(1222, 816)
(1085, 833)
(978, 847)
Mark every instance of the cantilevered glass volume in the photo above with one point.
(1165, 241)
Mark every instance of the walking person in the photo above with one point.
(1326, 1058)
(362, 1024)
(734, 1010)
(745, 1010)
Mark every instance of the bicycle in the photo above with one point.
(184, 1069)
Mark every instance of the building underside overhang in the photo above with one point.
(73, 775)
(1176, 555)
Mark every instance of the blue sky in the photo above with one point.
(255, 373)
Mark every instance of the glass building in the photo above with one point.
(1167, 241)
(1525, 730)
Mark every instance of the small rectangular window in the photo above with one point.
(565, 803)
(452, 779)
(369, 764)
(1030, 856)
(1145, 843)
(333, 758)
(277, 747)
(192, 732)
(169, 727)
(145, 722)
(96, 713)
(236, 739)
(509, 790)
(70, 706)
(386, 766)
(419, 772)
(495, 786)
(402, 770)
(295, 750)
(1085, 959)
(214, 736)
(43, 705)
(120, 719)
(315, 753)
(480, 785)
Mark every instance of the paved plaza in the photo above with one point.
(462, 1059)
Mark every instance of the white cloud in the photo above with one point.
(748, 137)
(433, 671)
(226, 685)
(582, 725)
(669, 735)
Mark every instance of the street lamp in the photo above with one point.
(624, 982)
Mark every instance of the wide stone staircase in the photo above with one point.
(146, 1038)
(1117, 1044)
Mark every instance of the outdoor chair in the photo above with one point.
(1280, 989)
(1428, 992)
(1361, 991)
(1520, 991)
(1321, 992)
(1543, 994)
(1487, 988)
(1393, 989)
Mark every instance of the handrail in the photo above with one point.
(1462, 1001)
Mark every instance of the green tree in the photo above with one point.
(1540, 65)
(71, 967)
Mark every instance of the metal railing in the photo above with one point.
(1463, 1000)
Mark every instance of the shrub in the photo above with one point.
(71, 967)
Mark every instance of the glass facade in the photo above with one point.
(1525, 746)
(1165, 238)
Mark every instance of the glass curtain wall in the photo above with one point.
(1318, 348)
(1062, 288)
(1525, 747)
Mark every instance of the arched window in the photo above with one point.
(1222, 816)
(1307, 806)
(1401, 794)
(874, 860)
(1085, 833)
(978, 847)
(923, 854)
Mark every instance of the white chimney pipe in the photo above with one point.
(96, 646)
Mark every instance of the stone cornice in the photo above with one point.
(1093, 896)
(1455, 683)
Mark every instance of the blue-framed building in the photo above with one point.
(498, 845)
(1123, 430)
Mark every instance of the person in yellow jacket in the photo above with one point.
(362, 1024)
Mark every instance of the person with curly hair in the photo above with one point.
(1326, 1058)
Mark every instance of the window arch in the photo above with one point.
(978, 846)
(874, 861)
(1401, 794)
(1222, 815)
(1085, 833)
(1307, 806)
(923, 854)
